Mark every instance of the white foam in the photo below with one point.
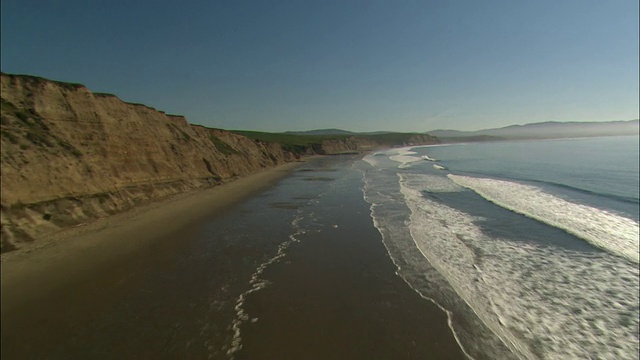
(371, 159)
(426, 157)
(384, 232)
(257, 283)
(453, 259)
(431, 183)
(543, 302)
(439, 167)
(404, 157)
(614, 233)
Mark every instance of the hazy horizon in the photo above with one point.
(480, 129)
(359, 65)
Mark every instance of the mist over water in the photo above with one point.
(546, 268)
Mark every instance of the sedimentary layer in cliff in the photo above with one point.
(69, 155)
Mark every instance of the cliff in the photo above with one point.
(69, 155)
(331, 144)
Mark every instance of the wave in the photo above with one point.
(625, 199)
(438, 231)
(621, 198)
(542, 301)
(372, 159)
(390, 216)
(613, 233)
(401, 155)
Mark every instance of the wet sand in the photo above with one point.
(77, 272)
(336, 295)
(163, 282)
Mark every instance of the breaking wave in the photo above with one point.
(610, 232)
(542, 301)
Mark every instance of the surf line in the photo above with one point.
(399, 268)
(257, 283)
(609, 232)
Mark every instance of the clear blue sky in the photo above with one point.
(357, 65)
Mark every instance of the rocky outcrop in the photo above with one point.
(69, 156)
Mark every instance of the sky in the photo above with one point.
(358, 65)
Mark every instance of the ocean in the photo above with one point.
(511, 250)
(529, 247)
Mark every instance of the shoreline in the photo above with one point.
(337, 292)
(74, 253)
(333, 290)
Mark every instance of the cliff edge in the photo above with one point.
(69, 155)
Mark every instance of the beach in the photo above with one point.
(107, 239)
(283, 264)
(39, 282)
(338, 295)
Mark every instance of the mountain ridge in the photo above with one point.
(548, 130)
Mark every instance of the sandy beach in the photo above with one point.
(283, 264)
(83, 251)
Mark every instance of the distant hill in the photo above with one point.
(544, 130)
(321, 132)
(311, 142)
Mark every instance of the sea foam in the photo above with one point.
(542, 301)
(611, 232)
(405, 157)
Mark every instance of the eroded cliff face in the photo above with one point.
(69, 155)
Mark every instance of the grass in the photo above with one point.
(185, 136)
(8, 106)
(295, 143)
(32, 128)
(9, 136)
(398, 138)
(298, 143)
(98, 94)
(289, 139)
(70, 148)
(36, 80)
(38, 139)
(222, 146)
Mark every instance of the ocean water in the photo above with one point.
(523, 250)
(529, 247)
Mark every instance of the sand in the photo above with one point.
(77, 253)
(164, 281)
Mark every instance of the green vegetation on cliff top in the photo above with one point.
(288, 139)
(306, 143)
(391, 138)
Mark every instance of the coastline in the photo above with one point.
(92, 248)
(338, 294)
(281, 268)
